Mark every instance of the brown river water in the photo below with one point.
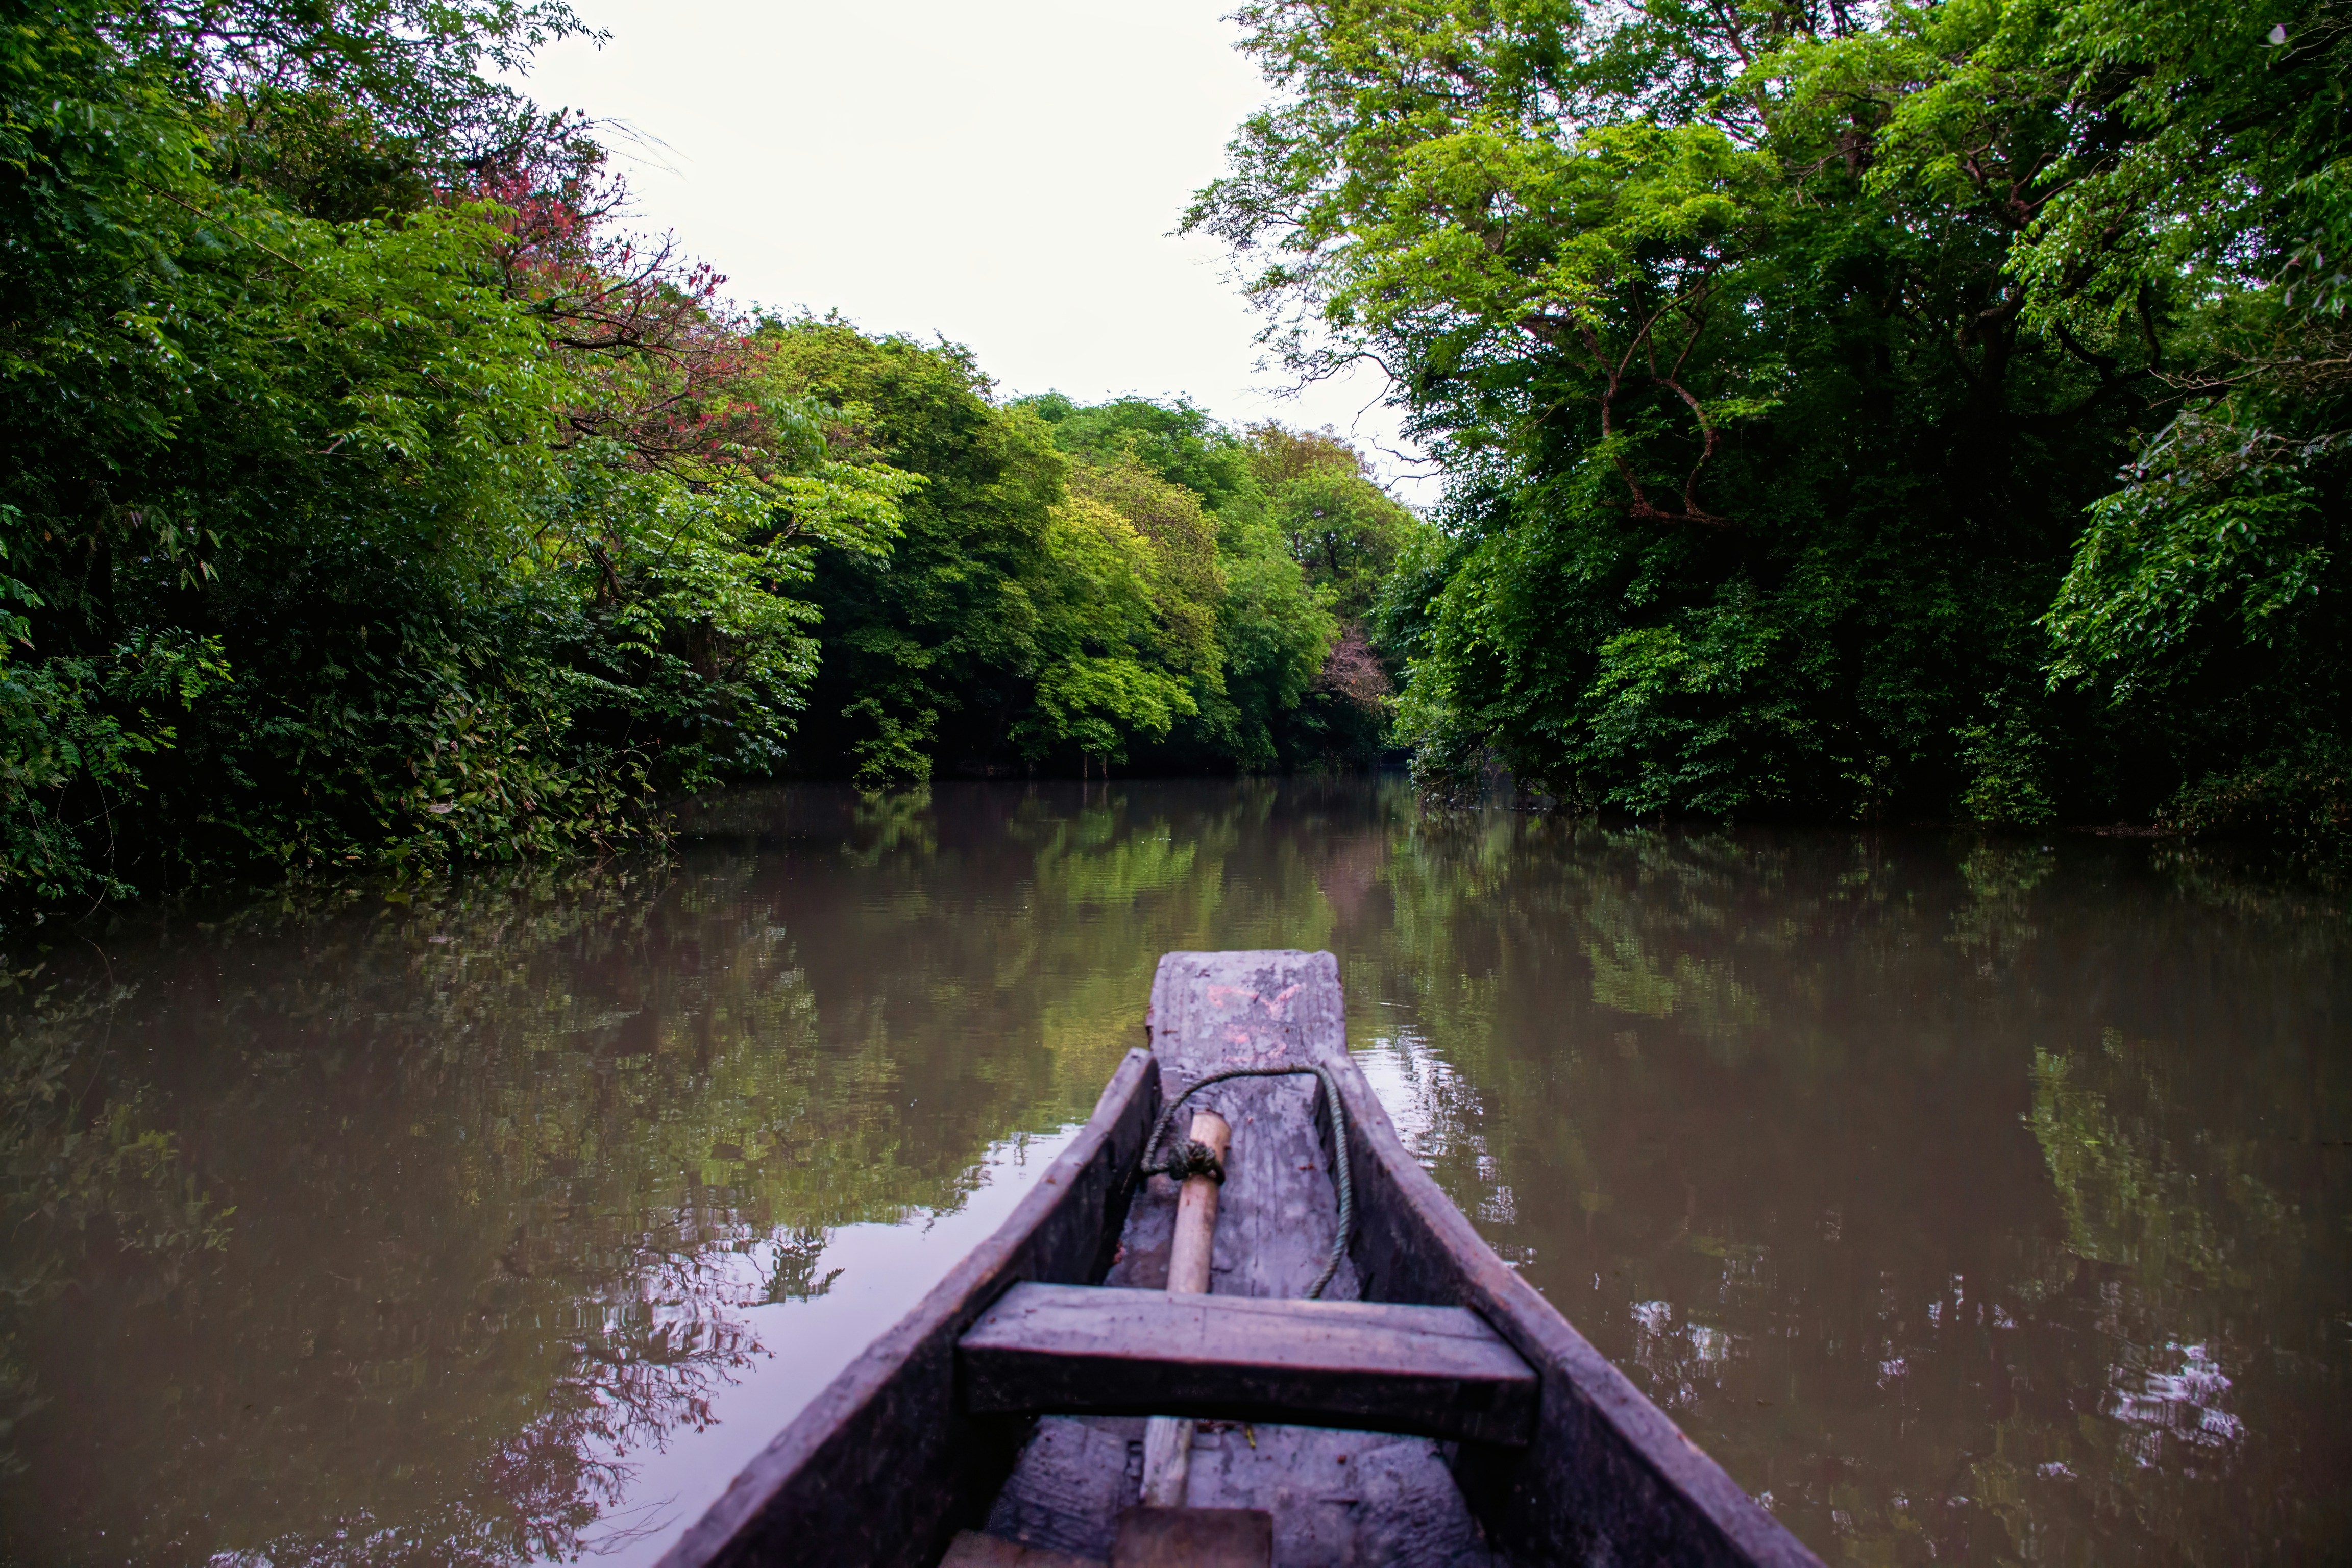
(1978, 1200)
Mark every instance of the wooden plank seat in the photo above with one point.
(1431, 1372)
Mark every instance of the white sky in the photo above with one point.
(1007, 174)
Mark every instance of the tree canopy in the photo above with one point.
(1782, 358)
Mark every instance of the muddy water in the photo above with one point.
(1976, 1201)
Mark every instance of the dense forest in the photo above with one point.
(1884, 412)
(374, 498)
(1847, 413)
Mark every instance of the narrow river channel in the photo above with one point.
(1972, 1200)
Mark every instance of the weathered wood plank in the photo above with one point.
(1341, 1499)
(1193, 1538)
(884, 1467)
(1433, 1371)
(1216, 1010)
(973, 1550)
(1076, 1476)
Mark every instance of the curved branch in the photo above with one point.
(1691, 508)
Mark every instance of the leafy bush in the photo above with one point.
(2299, 801)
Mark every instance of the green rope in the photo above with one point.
(1186, 1159)
(1190, 1158)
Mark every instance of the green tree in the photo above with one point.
(1100, 631)
(932, 653)
(353, 456)
(1774, 355)
(1179, 441)
(2207, 599)
(1343, 529)
(1163, 464)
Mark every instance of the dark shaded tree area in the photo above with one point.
(1784, 360)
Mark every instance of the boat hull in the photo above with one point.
(889, 1463)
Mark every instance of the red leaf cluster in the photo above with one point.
(668, 368)
(1352, 671)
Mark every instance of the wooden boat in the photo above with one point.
(1432, 1409)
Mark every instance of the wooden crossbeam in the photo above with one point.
(1437, 1372)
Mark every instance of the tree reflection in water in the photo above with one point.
(1970, 1198)
(1975, 1200)
(490, 1177)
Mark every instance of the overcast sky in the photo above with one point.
(1007, 174)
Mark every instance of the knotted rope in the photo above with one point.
(1190, 1158)
(1194, 1159)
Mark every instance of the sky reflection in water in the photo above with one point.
(1975, 1200)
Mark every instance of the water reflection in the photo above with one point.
(478, 1189)
(1974, 1200)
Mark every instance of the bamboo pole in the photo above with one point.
(1168, 1439)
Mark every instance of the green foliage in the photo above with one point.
(1270, 696)
(1774, 356)
(2298, 796)
(1188, 578)
(2004, 759)
(1178, 441)
(1101, 681)
(94, 719)
(1276, 635)
(1342, 527)
(2206, 600)
(926, 653)
(356, 462)
(1249, 631)
(1707, 714)
(348, 466)
(1073, 586)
